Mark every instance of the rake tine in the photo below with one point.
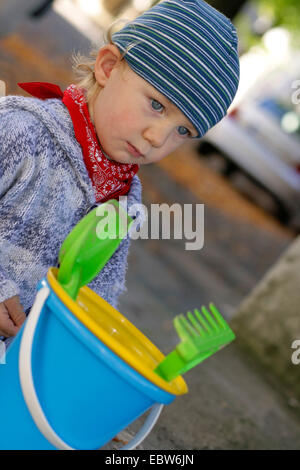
(189, 327)
(184, 328)
(195, 323)
(210, 319)
(218, 316)
(202, 321)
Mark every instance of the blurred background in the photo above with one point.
(246, 171)
(255, 150)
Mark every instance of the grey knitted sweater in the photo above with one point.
(44, 191)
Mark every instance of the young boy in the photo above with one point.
(168, 76)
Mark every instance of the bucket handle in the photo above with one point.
(29, 392)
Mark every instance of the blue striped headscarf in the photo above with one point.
(187, 50)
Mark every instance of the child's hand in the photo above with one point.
(12, 316)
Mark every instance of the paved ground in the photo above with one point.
(232, 403)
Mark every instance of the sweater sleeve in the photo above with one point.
(16, 149)
(8, 288)
(16, 159)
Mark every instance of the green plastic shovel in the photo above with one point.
(90, 244)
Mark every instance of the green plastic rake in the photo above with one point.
(201, 334)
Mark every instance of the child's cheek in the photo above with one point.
(112, 119)
(128, 119)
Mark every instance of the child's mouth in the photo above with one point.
(134, 151)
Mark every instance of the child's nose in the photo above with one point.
(157, 134)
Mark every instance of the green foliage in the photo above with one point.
(285, 13)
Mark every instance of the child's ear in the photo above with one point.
(108, 57)
(2, 88)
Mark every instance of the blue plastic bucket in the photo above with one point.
(87, 393)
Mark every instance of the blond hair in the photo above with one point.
(84, 66)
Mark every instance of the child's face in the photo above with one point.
(134, 122)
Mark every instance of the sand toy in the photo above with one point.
(78, 372)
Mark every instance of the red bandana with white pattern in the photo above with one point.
(110, 179)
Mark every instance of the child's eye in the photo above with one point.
(156, 105)
(183, 131)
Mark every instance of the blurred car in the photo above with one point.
(261, 137)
